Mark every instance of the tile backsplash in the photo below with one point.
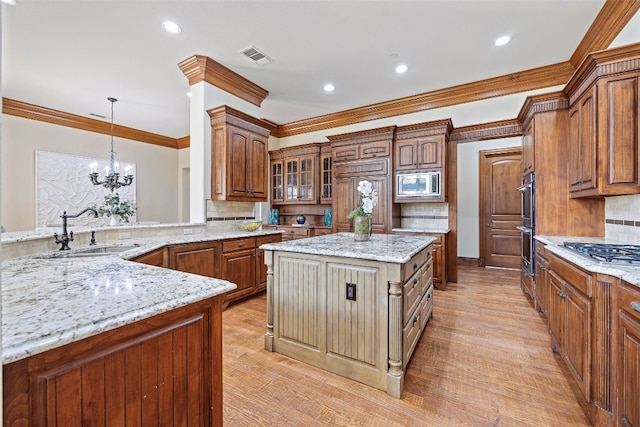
(425, 215)
(224, 214)
(622, 218)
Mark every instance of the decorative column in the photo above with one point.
(268, 337)
(395, 377)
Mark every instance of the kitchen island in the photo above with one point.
(102, 340)
(353, 308)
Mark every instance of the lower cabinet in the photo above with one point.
(541, 290)
(195, 258)
(570, 319)
(158, 258)
(628, 350)
(164, 370)
(240, 261)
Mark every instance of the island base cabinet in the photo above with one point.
(165, 370)
(628, 356)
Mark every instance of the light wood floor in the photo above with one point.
(484, 360)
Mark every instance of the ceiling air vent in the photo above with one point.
(255, 55)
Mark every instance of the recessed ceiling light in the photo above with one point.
(401, 69)
(171, 27)
(329, 87)
(9, 2)
(501, 41)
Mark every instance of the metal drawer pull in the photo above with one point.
(415, 265)
(635, 305)
(240, 244)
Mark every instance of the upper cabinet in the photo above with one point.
(528, 156)
(239, 156)
(295, 175)
(422, 147)
(326, 168)
(604, 131)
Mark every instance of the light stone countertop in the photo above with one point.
(49, 300)
(394, 248)
(555, 244)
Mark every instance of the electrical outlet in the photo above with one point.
(124, 235)
(351, 291)
(186, 231)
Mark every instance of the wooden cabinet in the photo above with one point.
(295, 175)
(357, 157)
(582, 143)
(570, 318)
(422, 147)
(197, 258)
(541, 286)
(326, 174)
(604, 121)
(158, 258)
(545, 119)
(242, 263)
(164, 370)
(528, 157)
(628, 355)
(239, 156)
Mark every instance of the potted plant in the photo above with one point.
(363, 213)
(116, 208)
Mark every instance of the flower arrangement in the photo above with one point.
(368, 199)
(113, 205)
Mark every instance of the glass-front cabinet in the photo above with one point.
(277, 189)
(326, 164)
(300, 185)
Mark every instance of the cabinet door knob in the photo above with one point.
(415, 265)
(635, 306)
(415, 282)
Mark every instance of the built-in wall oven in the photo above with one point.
(527, 195)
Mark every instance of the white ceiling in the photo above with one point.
(72, 55)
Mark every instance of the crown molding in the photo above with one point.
(228, 115)
(198, 68)
(419, 130)
(184, 142)
(522, 81)
(612, 18)
(540, 104)
(485, 131)
(49, 115)
(364, 136)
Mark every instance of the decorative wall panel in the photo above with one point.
(62, 184)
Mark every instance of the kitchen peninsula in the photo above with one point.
(353, 308)
(94, 338)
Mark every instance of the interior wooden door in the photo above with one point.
(500, 176)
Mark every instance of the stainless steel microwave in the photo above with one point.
(418, 185)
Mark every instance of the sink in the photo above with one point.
(96, 251)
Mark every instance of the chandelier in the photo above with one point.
(112, 179)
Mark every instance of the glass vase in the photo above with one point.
(361, 228)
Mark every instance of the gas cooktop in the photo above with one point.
(613, 253)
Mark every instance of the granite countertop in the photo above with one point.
(422, 230)
(555, 244)
(392, 248)
(49, 300)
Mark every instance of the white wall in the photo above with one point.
(469, 192)
(157, 169)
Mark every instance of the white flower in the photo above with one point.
(367, 205)
(364, 187)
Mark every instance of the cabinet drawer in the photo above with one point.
(322, 231)
(411, 333)
(273, 238)
(427, 276)
(410, 268)
(629, 300)
(540, 249)
(345, 153)
(237, 244)
(438, 238)
(411, 294)
(426, 306)
(375, 149)
(578, 278)
(295, 232)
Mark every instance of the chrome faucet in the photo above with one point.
(68, 237)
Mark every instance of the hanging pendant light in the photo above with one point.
(112, 179)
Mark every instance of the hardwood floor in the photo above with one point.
(484, 360)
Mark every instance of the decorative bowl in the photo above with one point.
(249, 225)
